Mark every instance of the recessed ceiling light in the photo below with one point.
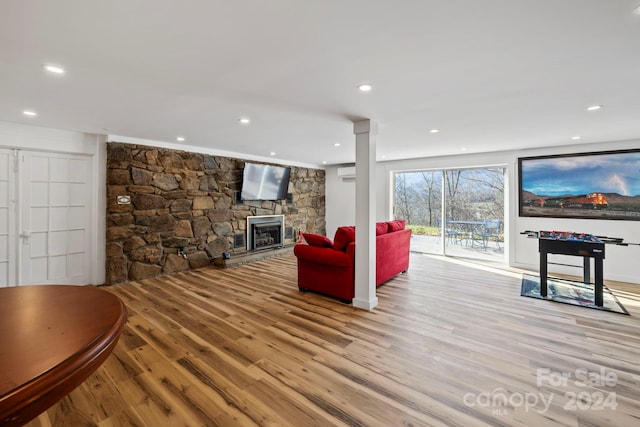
(244, 120)
(324, 162)
(594, 107)
(434, 130)
(576, 137)
(463, 148)
(273, 153)
(337, 144)
(365, 87)
(29, 113)
(180, 138)
(54, 69)
(383, 157)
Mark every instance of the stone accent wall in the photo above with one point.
(187, 200)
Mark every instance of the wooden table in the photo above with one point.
(52, 337)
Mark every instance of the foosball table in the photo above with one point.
(584, 245)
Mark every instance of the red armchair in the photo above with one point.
(328, 267)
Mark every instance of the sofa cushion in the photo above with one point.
(381, 228)
(396, 225)
(317, 240)
(344, 236)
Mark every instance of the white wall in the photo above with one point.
(340, 197)
(340, 203)
(522, 252)
(23, 137)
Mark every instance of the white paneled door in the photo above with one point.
(54, 211)
(7, 210)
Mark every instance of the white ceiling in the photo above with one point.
(491, 74)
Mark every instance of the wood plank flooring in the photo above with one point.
(448, 344)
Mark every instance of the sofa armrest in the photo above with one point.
(392, 254)
(328, 256)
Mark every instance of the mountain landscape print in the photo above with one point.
(602, 185)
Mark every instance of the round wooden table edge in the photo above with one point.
(31, 399)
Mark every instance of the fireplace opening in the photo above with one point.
(265, 232)
(267, 235)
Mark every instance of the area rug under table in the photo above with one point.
(570, 292)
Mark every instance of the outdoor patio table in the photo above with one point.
(466, 229)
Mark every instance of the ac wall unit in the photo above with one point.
(347, 173)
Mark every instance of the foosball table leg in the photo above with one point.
(599, 282)
(586, 270)
(543, 274)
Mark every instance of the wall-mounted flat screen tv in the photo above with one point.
(264, 182)
(600, 185)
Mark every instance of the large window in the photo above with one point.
(457, 212)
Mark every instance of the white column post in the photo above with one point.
(365, 274)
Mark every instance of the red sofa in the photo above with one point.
(328, 267)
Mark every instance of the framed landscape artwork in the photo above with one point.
(602, 185)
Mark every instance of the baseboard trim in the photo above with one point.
(364, 304)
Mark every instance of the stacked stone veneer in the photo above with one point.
(187, 200)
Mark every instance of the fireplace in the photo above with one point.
(264, 232)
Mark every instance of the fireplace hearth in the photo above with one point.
(265, 232)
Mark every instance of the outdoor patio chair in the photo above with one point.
(489, 229)
(454, 235)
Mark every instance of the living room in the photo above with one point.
(452, 86)
(456, 137)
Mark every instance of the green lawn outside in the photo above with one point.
(424, 230)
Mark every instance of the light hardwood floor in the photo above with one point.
(445, 346)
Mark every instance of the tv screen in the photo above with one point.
(597, 185)
(264, 182)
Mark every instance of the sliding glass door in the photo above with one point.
(457, 212)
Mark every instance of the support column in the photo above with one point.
(365, 274)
